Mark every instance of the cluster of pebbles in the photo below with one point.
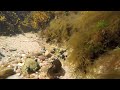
(15, 50)
(48, 60)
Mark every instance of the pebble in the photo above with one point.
(49, 55)
(42, 75)
(47, 52)
(14, 77)
(23, 55)
(18, 71)
(20, 64)
(18, 74)
(9, 57)
(19, 60)
(52, 52)
(12, 50)
(10, 60)
(32, 76)
(27, 76)
(9, 66)
(36, 77)
(5, 65)
(41, 57)
(65, 53)
(14, 65)
(14, 62)
(36, 72)
(15, 68)
(3, 48)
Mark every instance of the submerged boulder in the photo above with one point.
(56, 70)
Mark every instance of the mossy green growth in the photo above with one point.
(89, 34)
(102, 24)
(30, 66)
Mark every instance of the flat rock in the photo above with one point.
(5, 72)
(13, 49)
(15, 76)
(42, 57)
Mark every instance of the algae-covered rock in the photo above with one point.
(5, 72)
(56, 70)
(30, 66)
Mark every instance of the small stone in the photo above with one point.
(49, 55)
(10, 60)
(18, 71)
(32, 76)
(8, 66)
(18, 74)
(5, 65)
(23, 55)
(43, 50)
(27, 76)
(14, 65)
(42, 57)
(53, 50)
(2, 54)
(8, 55)
(13, 49)
(3, 48)
(19, 60)
(15, 76)
(20, 64)
(15, 68)
(14, 62)
(47, 52)
(42, 75)
(65, 53)
(36, 54)
(36, 72)
(62, 51)
(36, 77)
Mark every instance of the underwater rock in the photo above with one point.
(30, 66)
